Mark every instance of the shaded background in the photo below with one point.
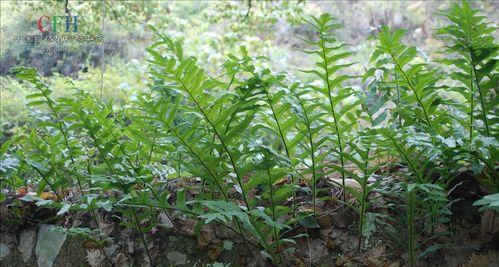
(116, 68)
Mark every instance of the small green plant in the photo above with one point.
(420, 216)
(489, 202)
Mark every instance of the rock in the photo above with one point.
(8, 239)
(176, 258)
(26, 244)
(4, 251)
(165, 221)
(49, 244)
(111, 250)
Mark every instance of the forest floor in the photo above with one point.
(474, 240)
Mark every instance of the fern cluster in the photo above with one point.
(262, 150)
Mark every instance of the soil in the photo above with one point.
(474, 240)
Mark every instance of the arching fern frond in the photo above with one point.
(329, 66)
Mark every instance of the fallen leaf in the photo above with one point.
(21, 191)
(375, 257)
(49, 195)
(95, 257)
(121, 260)
(483, 260)
(326, 236)
(213, 252)
(90, 245)
(281, 181)
(106, 228)
(204, 237)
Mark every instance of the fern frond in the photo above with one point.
(418, 78)
(330, 53)
(471, 38)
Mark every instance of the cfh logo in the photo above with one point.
(45, 22)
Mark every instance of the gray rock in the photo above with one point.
(176, 258)
(111, 250)
(26, 244)
(4, 251)
(49, 244)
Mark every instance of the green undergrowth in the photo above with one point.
(263, 151)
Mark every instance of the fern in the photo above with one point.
(306, 109)
(470, 41)
(44, 98)
(329, 52)
(283, 128)
(470, 38)
(368, 146)
(425, 205)
(192, 81)
(244, 138)
(227, 117)
(90, 118)
(416, 217)
(162, 114)
(39, 156)
(419, 78)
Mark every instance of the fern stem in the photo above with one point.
(474, 76)
(276, 235)
(409, 83)
(312, 155)
(46, 181)
(66, 142)
(410, 225)
(406, 158)
(93, 213)
(480, 96)
(472, 102)
(142, 237)
(231, 158)
(152, 147)
(97, 145)
(398, 100)
(286, 149)
(335, 121)
(363, 202)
